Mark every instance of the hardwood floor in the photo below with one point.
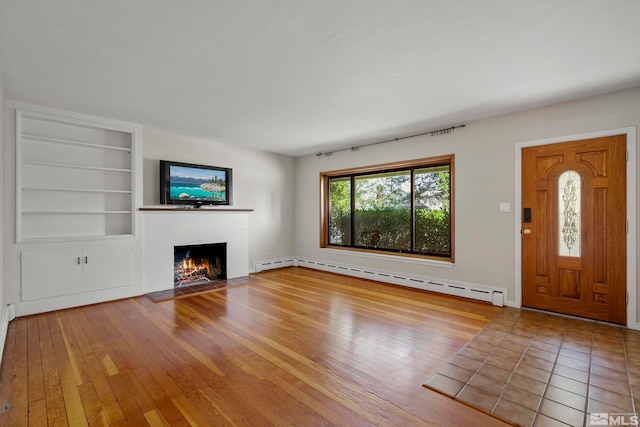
(296, 348)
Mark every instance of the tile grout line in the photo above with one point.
(586, 398)
(511, 326)
(551, 373)
(505, 334)
(513, 371)
(626, 364)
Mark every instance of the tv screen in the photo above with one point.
(196, 185)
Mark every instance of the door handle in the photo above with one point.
(526, 231)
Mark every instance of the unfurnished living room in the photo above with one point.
(330, 213)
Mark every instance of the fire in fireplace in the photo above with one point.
(198, 264)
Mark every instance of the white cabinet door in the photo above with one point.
(107, 266)
(48, 273)
(62, 271)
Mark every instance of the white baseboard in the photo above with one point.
(494, 295)
(8, 314)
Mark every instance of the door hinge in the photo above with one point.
(626, 297)
(627, 159)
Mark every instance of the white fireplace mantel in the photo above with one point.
(164, 228)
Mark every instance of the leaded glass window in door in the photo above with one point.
(569, 189)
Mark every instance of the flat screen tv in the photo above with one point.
(195, 185)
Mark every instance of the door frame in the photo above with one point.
(632, 321)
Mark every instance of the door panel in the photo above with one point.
(574, 248)
(48, 273)
(108, 266)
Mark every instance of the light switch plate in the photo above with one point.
(505, 207)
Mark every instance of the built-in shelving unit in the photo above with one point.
(74, 178)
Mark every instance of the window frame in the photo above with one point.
(448, 159)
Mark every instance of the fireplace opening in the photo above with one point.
(199, 264)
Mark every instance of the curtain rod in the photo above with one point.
(437, 132)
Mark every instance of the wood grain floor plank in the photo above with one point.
(126, 401)
(96, 415)
(13, 368)
(138, 392)
(56, 412)
(35, 376)
(156, 419)
(182, 343)
(264, 370)
(162, 400)
(347, 394)
(38, 413)
(68, 373)
(107, 400)
(295, 347)
(73, 352)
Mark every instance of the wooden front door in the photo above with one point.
(574, 228)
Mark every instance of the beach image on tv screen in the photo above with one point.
(197, 184)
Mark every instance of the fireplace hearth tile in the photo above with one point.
(186, 291)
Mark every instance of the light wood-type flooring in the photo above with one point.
(296, 347)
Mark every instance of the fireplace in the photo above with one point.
(199, 264)
(165, 229)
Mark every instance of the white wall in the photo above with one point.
(284, 192)
(2, 198)
(484, 177)
(261, 181)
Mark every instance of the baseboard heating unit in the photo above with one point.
(466, 290)
(271, 265)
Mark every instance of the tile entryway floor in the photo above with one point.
(537, 369)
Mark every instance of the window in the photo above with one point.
(401, 208)
(569, 218)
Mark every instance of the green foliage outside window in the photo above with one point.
(339, 211)
(391, 214)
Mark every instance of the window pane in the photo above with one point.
(383, 211)
(340, 211)
(403, 207)
(569, 215)
(432, 207)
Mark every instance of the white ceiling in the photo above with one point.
(300, 76)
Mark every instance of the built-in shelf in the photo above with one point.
(74, 143)
(74, 166)
(81, 190)
(75, 178)
(63, 212)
